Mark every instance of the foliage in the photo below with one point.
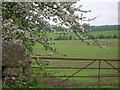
(86, 26)
(114, 36)
(59, 28)
(70, 37)
(104, 28)
(62, 38)
(25, 22)
(34, 82)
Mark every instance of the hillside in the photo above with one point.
(107, 34)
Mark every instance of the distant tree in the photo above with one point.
(101, 36)
(70, 37)
(75, 39)
(89, 37)
(59, 28)
(109, 36)
(62, 37)
(104, 28)
(51, 38)
(86, 26)
(115, 36)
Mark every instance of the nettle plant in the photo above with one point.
(25, 22)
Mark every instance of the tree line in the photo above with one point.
(87, 26)
(104, 28)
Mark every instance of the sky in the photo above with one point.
(105, 10)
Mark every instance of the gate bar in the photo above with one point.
(77, 72)
(112, 65)
(36, 57)
(71, 68)
(77, 76)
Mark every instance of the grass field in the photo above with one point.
(78, 49)
(106, 33)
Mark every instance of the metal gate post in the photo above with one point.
(99, 73)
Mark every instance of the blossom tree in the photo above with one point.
(24, 22)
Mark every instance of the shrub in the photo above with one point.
(109, 36)
(62, 38)
(114, 36)
(101, 36)
(70, 37)
(51, 38)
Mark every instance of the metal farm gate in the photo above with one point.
(83, 68)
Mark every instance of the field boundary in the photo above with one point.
(81, 68)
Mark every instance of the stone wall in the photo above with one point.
(16, 64)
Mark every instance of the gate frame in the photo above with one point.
(80, 69)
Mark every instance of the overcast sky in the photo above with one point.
(105, 10)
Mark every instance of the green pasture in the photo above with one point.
(78, 49)
(106, 33)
